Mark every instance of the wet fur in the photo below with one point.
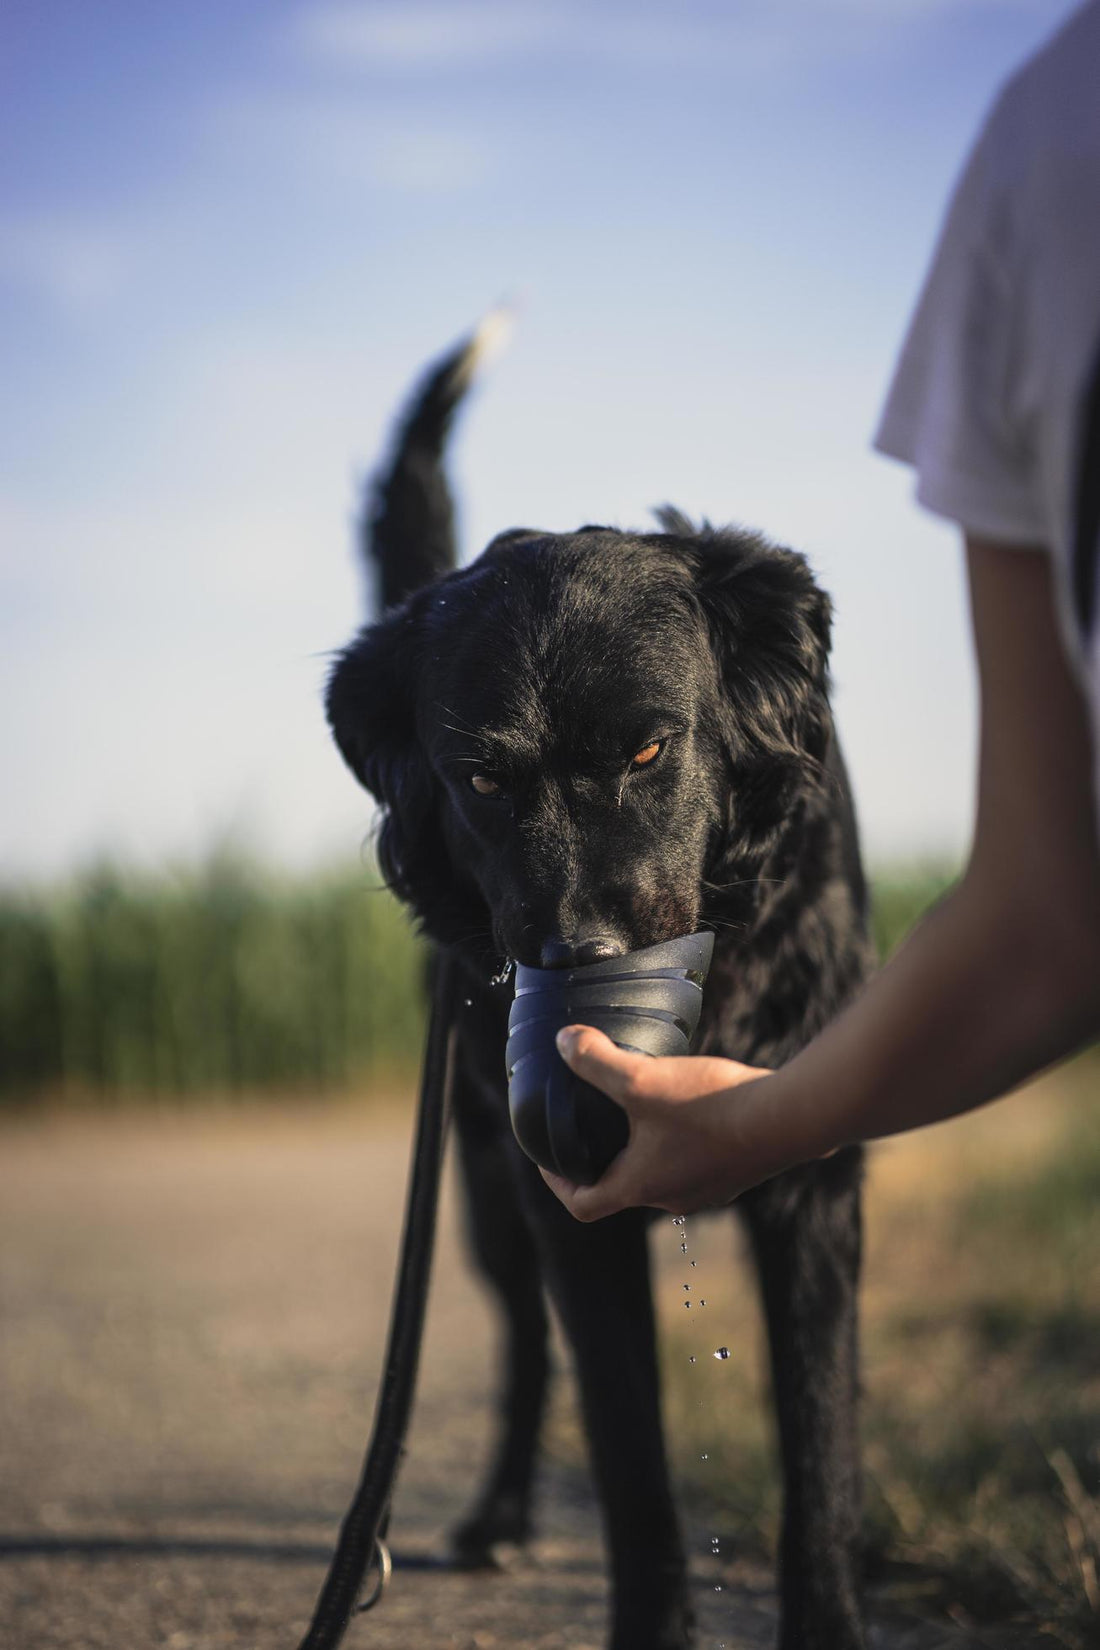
(546, 664)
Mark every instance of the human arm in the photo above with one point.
(998, 981)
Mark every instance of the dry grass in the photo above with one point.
(981, 1368)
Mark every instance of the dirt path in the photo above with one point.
(193, 1317)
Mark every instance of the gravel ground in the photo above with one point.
(194, 1310)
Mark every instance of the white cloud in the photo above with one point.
(922, 8)
(351, 145)
(76, 265)
(419, 35)
(427, 159)
(470, 33)
(429, 37)
(363, 129)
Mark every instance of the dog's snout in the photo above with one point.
(574, 951)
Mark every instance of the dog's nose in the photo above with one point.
(575, 951)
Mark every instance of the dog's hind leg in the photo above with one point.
(805, 1231)
(599, 1276)
(505, 1252)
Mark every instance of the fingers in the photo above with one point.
(586, 1203)
(636, 1081)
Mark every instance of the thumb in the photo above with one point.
(593, 1056)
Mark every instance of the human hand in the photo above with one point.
(694, 1141)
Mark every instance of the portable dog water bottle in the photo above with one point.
(647, 1001)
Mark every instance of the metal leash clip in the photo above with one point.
(383, 1564)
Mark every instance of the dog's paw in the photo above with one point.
(495, 1539)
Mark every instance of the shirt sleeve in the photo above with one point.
(953, 409)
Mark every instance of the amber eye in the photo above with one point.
(647, 754)
(484, 786)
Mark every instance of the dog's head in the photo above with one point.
(581, 740)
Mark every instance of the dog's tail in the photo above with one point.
(407, 530)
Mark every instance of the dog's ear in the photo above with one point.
(770, 628)
(370, 702)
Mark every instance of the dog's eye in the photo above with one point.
(647, 754)
(483, 785)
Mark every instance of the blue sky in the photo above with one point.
(232, 233)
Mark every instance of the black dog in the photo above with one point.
(583, 744)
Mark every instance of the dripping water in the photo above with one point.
(721, 1355)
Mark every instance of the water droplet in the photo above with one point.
(679, 1220)
(704, 1457)
(691, 1359)
(467, 1002)
(695, 1263)
(722, 1352)
(683, 1248)
(687, 1285)
(717, 1586)
(702, 1303)
(688, 1305)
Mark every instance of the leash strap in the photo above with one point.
(360, 1543)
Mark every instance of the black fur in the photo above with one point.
(408, 526)
(544, 667)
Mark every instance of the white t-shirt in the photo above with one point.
(996, 396)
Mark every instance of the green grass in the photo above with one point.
(899, 898)
(223, 978)
(227, 977)
(981, 1354)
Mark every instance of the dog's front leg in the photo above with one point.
(504, 1247)
(805, 1230)
(600, 1279)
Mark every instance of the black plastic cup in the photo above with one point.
(646, 1001)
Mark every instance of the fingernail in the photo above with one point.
(565, 1039)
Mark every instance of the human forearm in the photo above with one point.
(986, 991)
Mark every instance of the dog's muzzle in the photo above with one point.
(646, 1001)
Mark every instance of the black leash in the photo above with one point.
(361, 1541)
